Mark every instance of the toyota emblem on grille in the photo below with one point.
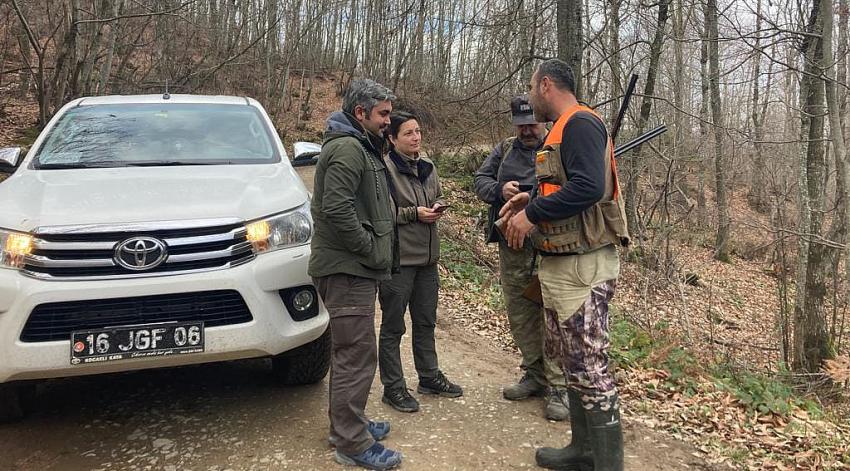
(140, 253)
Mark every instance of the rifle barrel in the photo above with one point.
(643, 138)
(615, 128)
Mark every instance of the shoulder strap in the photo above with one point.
(507, 145)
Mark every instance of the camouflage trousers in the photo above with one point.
(576, 292)
(526, 317)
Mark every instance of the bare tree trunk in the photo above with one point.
(614, 57)
(570, 46)
(839, 147)
(702, 212)
(842, 64)
(758, 195)
(810, 335)
(40, 85)
(635, 163)
(26, 55)
(679, 78)
(91, 58)
(721, 249)
(65, 56)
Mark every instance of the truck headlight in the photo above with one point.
(283, 230)
(14, 246)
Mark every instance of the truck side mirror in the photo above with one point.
(306, 153)
(10, 158)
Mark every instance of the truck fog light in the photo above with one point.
(303, 300)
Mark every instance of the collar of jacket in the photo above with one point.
(423, 168)
(374, 142)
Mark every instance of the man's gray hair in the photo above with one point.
(558, 72)
(365, 93)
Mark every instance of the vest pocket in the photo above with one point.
(593, 226)
(381, 255)
(546, 165)
(614, 216)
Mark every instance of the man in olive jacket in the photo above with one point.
(353, 248)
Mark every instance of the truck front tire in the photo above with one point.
(15, 401)
(307, 364)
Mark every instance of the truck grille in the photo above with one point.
(56, 321)
(91, 252)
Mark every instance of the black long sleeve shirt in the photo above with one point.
(583, 153)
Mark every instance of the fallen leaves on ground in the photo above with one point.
(728, 314)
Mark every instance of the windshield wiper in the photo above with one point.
(172, 163)
(60, 166)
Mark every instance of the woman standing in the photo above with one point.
(420, 205)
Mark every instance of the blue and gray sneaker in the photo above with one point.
(378, 430)
(375, 457)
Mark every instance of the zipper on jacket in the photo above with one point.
(416, 196)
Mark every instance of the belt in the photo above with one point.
(552, 254)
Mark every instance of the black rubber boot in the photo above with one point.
(606, 437)
(576, 456)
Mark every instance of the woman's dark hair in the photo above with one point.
(396, 120)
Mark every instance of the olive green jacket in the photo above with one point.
(353, 213)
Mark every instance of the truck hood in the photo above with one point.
(37, 198)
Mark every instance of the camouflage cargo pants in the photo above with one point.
(525, 317)
(576, 291)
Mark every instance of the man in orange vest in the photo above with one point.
(576, 220)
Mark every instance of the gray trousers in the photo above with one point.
(350, 301)
(416, 287)
(526, 318)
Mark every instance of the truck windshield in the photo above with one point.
(127, 135)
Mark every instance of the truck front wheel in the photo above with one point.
(306, 364)
(15, 400)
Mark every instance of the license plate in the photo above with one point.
(136, 341)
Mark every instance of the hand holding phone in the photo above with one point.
(440, 208)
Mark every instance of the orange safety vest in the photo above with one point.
(602, 224)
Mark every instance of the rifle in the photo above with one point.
(533, 291)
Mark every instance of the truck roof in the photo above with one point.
(159, 98)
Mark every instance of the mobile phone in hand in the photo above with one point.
(524, 188)
(441, 208)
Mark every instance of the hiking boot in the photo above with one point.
(526, 388)
(439, 385)
(400, 400)
(378, 430)
(576, 456)
(557, 407)
(375, 457)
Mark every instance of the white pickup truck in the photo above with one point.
(154, 231)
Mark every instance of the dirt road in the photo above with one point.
(232, 416)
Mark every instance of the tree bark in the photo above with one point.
(570, 46)
(721, 249)
(810, 334)
(758, 195)
(702, 211)
(839, 146)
